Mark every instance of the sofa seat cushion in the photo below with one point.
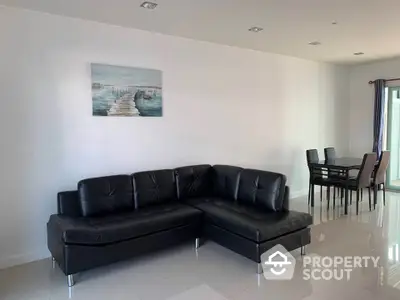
(251, 222)
(124, 226)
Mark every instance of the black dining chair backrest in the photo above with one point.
(330, 153)
(367, 167)
(312, 156)
(383, 164)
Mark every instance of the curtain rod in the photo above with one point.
(386, 80)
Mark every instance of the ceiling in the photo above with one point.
(369, 26)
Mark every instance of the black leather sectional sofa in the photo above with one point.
(113, 218)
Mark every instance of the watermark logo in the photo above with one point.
(335, 268)
(278, 264)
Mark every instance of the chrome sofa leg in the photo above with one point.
(197, 243)
(70, 280)
(53, 262)
(303, 250)
(259, 269)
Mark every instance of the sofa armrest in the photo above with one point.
(58, 225)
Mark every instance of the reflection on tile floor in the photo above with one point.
(215, 273)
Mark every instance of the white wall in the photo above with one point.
(362, 101)
(221, 105)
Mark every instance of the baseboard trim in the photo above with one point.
(20, 259)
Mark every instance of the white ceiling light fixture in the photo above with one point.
(314, 43)
(358, 53)
(256, 29)
(148, 5)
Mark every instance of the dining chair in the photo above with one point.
(312, 157)
(330, 154)
(379, 176)
(363, 179)
(316, 175)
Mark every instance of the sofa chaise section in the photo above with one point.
(248, 212)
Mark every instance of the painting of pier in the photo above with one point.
(126, 91)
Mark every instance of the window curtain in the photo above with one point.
(379, 114)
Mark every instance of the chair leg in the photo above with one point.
(334, 198)
(328, 198)
(312, 195)
(369, 196)
(351, 197)
(320, 195)
(384, 194)
(341, 196)
(362, 194)
(358, 200)
(375, 195)
(328, 195)
(309, 194)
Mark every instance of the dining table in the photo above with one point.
(343, 165)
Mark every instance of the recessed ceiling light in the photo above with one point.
(256, 29)
(358, 53)
(148, 5)
(315, 43)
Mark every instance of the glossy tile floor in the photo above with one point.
(215, 273)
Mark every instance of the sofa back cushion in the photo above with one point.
(261, 188)
(154, 187)
(106, 195)
(194, 181)
(226, 181)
